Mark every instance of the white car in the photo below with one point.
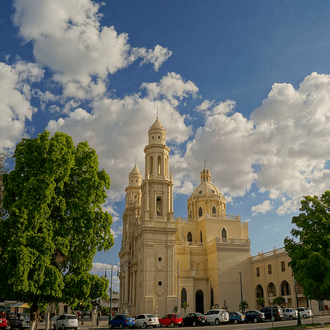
(290, 313)
(217, 316)
(304, 312)
(66, 321)
(146, 320)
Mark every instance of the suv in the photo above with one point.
(66, 321)
(217, 316)
(290, 313)
(275, 311)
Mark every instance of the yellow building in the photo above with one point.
(201, 262)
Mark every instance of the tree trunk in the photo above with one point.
(33, 316)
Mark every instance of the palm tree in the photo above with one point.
(242, 305)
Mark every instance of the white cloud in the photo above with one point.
(284, 146)
(118, 130)
(173, 87)
(117, 232)
(68, 39)
(15, 93)
(262, 208)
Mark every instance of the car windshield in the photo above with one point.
(127, 316)
(71, 317)
(199, 314)
(150, 315)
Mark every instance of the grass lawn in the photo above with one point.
(304, 326)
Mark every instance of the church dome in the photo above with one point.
(156, 125)
(135, 170)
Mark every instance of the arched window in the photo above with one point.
(189, 237)
(159, 207)
(201, 236)
(214, 211)
(151, 164)
(159, 163)
(224, 233)
(183, 296)
(200, 212)
(190, 214)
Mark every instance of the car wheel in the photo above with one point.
(120, 326)
(172, 325)
(235, 321)
(255, 320)
(63, 327)
(305, 316)
(217, 322)
(290, 317)
(145, 325)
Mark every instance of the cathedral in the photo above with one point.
(170, 264)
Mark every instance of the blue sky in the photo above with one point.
(242, 84)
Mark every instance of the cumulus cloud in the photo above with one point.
(118, 130)
(283, 147)
(172, 87)
(262, 208)
(15, 93)
(68, 39)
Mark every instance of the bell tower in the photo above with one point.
(157, 187)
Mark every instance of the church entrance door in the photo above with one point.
(199, 298)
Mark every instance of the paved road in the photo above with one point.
(103, 324)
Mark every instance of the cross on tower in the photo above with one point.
(135, 160)
(204, 162)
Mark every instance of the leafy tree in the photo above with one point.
(3, 158)
(278, 301)
(55, 223)
(310, 255)
(243, 305)
(261, 301)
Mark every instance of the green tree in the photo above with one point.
(261, 301)
(243, 305)
(3, 158)
(55, 223)
(278, 301)
(309, 249)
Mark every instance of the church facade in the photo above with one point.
(172, 264)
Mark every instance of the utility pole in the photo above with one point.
(240, 280)
(111, 295)
(178, 293)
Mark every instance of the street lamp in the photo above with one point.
(240, 280)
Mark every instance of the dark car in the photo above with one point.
(121, 321)
(273, 310)
(193, 319)
(236, 317)
(20, 321)
(254, 316)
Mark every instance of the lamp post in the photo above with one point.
(298, 317)
(240, 281)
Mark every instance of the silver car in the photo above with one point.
(217, 316)
(66, 321)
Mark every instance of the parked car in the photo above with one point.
(20, 321)
(193, 319)
(3, 322)
(52, 322)
(217, 316)
(66, 321)
(290, 313)
(171, 320)
(254, 316)
(304, 312)
(146, 320)
(274, 311)
(236, 317)
(121, 321)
